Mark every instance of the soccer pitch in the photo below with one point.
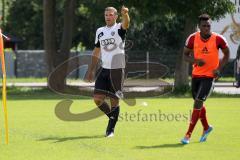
(146, 132)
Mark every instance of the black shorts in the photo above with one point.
(201, 88)
(109, 82)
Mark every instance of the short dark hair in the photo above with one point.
(203, 17)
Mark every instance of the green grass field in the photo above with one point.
(36, 133)
(32, 79)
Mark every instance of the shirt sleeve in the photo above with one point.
(97, 42)
(221, 42)
(238, 52)
(190, 41)
(122, 32)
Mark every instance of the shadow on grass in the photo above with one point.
(161, 146)
(58, 139)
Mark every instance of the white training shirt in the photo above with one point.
(111, 41)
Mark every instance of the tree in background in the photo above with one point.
(187, 11)
(5, 4)
(3, 11)
(50, 41)
(190, 10)
(55, 55)
(163, 24)
(24, 20)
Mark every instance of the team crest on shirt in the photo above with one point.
(205, 50)
(112, 33)
(100, 35)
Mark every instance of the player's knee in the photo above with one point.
(114, 102)
(98, 101)
(198, 104)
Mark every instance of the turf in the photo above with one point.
(32, 79)
(36, 133)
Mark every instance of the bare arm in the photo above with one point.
(125, 18)
(222, 63)
(187, 53)
(238, 53)
(93, 65)
(188, 56)
(225, 58)
(95, 59)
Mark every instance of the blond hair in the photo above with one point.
(111, 9)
